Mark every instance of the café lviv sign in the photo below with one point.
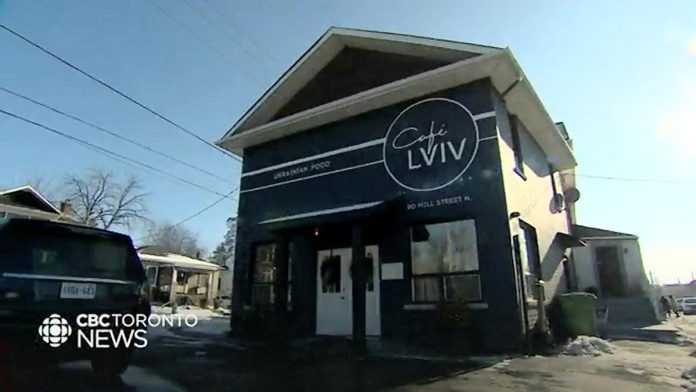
(430, 144)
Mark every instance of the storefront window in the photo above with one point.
(263, 291)
(445, 262)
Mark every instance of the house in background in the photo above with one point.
(26, 202)
(194, 280)
(611, 266)
(680, 290)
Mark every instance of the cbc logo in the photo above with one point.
(55, 330)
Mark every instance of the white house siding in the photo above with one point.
(629, 250)
(532, 198)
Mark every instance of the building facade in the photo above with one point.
(400, 187)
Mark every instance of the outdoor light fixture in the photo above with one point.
(316, 232)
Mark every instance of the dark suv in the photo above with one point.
(50, 273)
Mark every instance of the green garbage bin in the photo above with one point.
(578, 314)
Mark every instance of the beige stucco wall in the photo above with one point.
(629, 250)
(533, 198)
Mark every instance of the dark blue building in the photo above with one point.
(401, 187)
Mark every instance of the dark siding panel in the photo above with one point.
(353, 71)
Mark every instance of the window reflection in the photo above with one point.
(444, 262)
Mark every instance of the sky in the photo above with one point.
(620, 75)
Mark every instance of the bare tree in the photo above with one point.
(100, 199)
(167, 237)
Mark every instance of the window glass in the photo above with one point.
(47, 249)
(444, 247)
(264, 265)
(444, 259)
(427, 289)
(463, 288)
(152, 275)
(516, 145)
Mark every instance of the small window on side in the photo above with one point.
(517, 146)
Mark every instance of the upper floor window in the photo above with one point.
(516, 145)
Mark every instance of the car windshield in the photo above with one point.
(56, 250)
(690, 301)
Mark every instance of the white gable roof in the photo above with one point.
(178, 261)
(33, 192)
(467, 63)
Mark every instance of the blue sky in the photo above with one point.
(621, 75)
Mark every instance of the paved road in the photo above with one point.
(201, 362)
(77, 377)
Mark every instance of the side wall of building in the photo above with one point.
(531, 195)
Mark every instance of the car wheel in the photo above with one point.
(110, 364)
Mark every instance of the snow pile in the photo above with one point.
(501, 365)
(690, 374)
(209, 322)
(588, 346)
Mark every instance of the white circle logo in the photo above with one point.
(430, 144)
(55, 330)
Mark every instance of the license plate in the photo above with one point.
(72, 290)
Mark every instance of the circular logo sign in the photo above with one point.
(55, 330)
(430, 144)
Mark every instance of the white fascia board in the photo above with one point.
(33, 192)
(327, 47)
(391, 93)
(29, 212)
(499, 66)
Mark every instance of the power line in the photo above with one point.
(249, 37)
(203, 41)
(204, 209)
(652, 180)
(108, 153)
(217, 26)
(115, 90)
(112, 133)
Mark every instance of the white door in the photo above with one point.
(334, 298)
(372, 319)
(335, 288)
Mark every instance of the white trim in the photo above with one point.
(499, 66)
(483, 116)
(323, 212)
(329, 45)
(488, 138)
(30, 212)
(35, 193)
(317, 156)
(63, 278)
(359, 146)
(461, 172)
(313, 176)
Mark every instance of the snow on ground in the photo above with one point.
(588, 346)
(208, 321)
